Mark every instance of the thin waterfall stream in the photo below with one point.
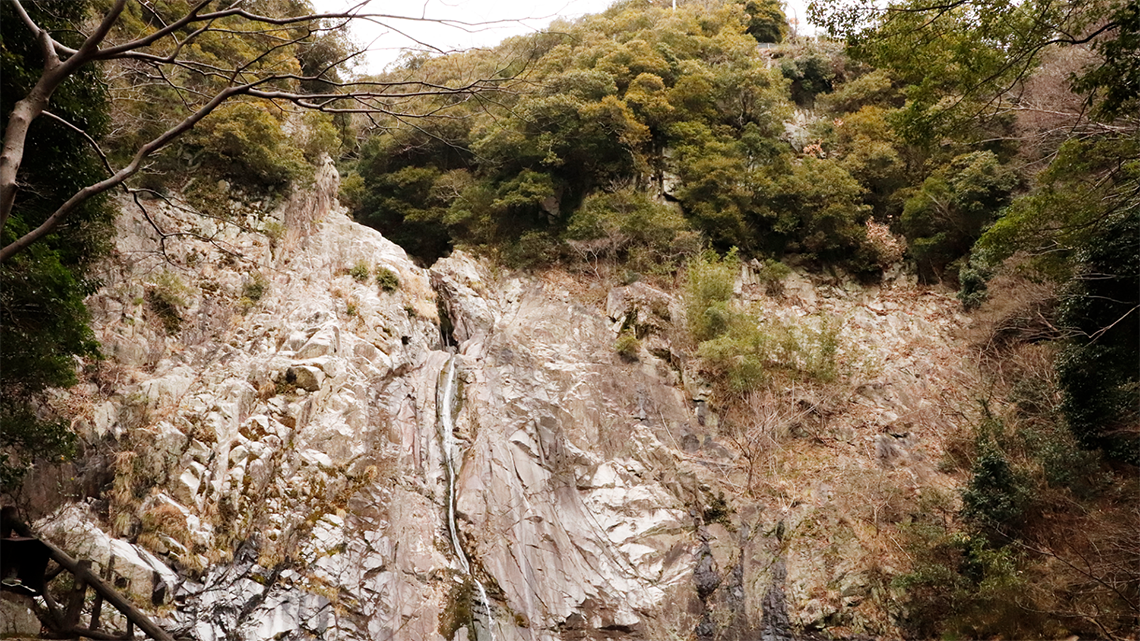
(452, 455)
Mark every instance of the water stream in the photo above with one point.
(452, 456)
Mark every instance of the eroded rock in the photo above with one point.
(295, 444)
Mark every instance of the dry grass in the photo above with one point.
(163, 519)
(123, 500)
(888, 248)
(587, 288)
(1017, 311)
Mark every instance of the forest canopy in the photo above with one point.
(688, 106)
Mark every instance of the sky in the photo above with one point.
(488, 22)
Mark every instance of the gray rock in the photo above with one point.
(306, 377)
(296, 436)
(706, 578)
(16, 618)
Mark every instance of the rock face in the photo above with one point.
(560, 437)
(279, 455)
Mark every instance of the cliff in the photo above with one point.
(271, 452)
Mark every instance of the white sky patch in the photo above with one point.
(485, 23)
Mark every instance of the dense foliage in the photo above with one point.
(1097, 369)
(256, 147)
(43, 321)
(681, 106)
(1043, 229)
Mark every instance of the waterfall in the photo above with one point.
(446, 401)
(486, 611)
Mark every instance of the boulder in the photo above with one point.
(306, 377)
(137, 573)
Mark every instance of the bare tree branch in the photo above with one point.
(91, 141)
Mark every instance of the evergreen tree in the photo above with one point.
(44, 324)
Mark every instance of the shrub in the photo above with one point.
(318, 136)
(628, 224)
(252, 290)
(750, 353)
(717, 510)
(243, 143)
(386, 279)
(352, 191)
(533, 249)
(166, 298)
(992, 497)
(1062, 462)
(815, 208)
(961, 587)
(810, 74)
(359, 271)
(709, 286)
(742, 350)
(628, 346)
(772, 274)
(996, 497)
(1097, 368)
(948, 212)
(274, 231)
(163, 519)
(972, 279)
(255, 287)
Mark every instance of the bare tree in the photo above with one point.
(765, 422)
(159, 52)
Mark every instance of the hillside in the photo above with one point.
(658, 324)
(597, 495)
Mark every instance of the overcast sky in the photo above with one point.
(490, 22)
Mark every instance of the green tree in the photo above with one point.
(810, 75)
(411, 175)
(43, 321)
(680, 103)
(952, 207)
(628, 225)
(958, 60)
(1116, 80)
(243, 142)
(869, 150)
(816, 208)
(766, 20)
(200, 59)
(1090, 180)
(1097, 368)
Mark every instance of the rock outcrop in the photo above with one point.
(278, 452)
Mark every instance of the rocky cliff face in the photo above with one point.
(265, 457)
